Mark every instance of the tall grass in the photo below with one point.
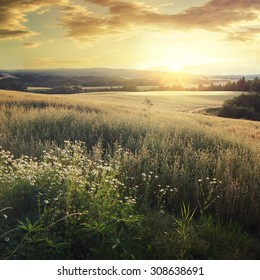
(163, 160)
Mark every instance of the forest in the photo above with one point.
(76, 84)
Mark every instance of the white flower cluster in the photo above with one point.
(59, 170)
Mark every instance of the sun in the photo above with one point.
(175, 67)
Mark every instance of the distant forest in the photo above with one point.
(250, 85)
(68, 84)
(241, 85)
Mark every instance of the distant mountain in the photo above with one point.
(160, 69)
(97, 72)
(108, 76)
(104, 72)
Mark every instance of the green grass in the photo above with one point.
(149, 181)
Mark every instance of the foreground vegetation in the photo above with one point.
(82, 180)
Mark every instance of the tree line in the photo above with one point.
(78, 84)
(240, 85)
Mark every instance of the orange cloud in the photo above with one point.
(13, 16)
(247, 35)
(122, 16)
(32, 45)
(83, 23)
(17, 34)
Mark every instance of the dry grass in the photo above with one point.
(186, 150)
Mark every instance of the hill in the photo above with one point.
(102, 179)
(120, 79)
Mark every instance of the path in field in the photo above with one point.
(187, 101)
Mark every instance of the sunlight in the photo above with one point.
(176, 67)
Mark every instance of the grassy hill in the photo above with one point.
(126, 176)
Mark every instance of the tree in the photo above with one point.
(241, 85)
(245, 106)
(12, 84)
(255, 85)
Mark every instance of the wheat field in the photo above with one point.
(193, 170)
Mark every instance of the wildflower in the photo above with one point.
(5, 216)
(199, 180)
(46, 201)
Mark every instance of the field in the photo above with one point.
(164, 100)
(122, 175)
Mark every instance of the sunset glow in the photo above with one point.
(198, 36)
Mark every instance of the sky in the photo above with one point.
(196, 36)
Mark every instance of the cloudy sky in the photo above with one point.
(199, 36)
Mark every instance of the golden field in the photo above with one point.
(196, 173)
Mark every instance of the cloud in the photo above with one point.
(247, 35)
(17, 34)
(80, 23)
(101, 18)
(43, 11)
(13, 16)
(32, 45)
(123, 16)
(218, 14)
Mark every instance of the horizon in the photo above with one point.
(199, 37)
(152, 69)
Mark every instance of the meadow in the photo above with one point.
(138, 175)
